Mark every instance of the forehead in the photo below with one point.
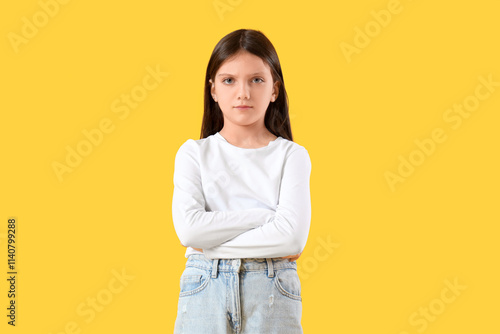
(244, 63)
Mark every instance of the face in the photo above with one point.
(244, 79)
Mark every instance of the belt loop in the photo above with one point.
(215, 263)
(270, 269)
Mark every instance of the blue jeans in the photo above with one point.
(241, 296)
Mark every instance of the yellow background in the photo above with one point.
(394, 250)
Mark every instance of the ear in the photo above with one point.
(276, 90)
(212, 90)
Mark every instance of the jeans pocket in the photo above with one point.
(193, 280)
(287, 282)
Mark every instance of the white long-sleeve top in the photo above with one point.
(236, 202)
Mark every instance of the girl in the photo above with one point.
(241, 202)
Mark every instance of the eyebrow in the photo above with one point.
(233, 74)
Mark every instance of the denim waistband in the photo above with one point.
(239, 265)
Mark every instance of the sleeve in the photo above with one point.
(287, 233)
(194, 226)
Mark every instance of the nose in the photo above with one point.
(243, 91)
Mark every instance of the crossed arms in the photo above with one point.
(256, 232)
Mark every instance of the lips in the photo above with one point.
(243, 107)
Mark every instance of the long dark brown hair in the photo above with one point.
(276, 120)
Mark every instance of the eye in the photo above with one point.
(225, 80)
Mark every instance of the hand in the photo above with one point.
(198, 249)
(292, 257)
